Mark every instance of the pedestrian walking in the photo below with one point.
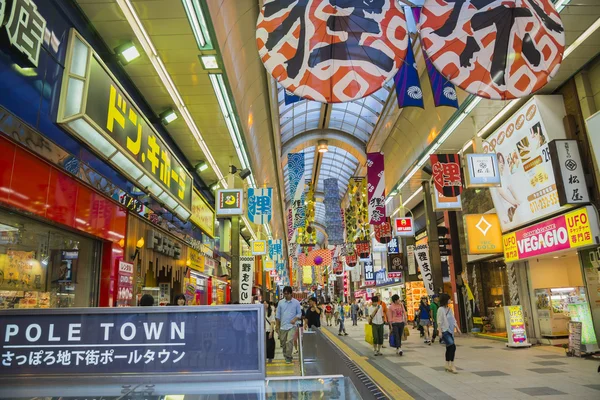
(329, 313)
(354, 309)
(435, 304)
(447, 324)
(288, 314)
(270, 331)
(376, 320)
(384, 310)
(425, 318)
(312, 316)
(342, 319)
(397, 319)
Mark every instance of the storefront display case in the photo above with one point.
(552, 306)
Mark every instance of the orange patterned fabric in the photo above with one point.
(495, 49)
(332, 51)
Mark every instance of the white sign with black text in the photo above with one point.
(422, 254)
(246, 279)
(410, 253)
(568, 171)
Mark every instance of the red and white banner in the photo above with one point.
(446, 174)
(376, 188)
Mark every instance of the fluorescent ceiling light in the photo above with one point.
(209, 62)
(201, 166)
(588, 32)
(215, 186)
(560, 4)
(168, 116)
(197, 22)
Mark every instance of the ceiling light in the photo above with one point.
(198, 24)
(127, 52)
(201, 166)
(215, 186)
(209, 62)
(323, 146)
(168, 116)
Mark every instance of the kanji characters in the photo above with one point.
(25, 28)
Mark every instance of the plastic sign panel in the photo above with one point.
(269, 265)
(369, 273)
(230, 202)
(203, 215)
(23, 28)
(422, 255)
(574, 229)
(165, 341)
(404, 227)
(124, 284)
(569, 173)
(246, 278)
(395, 267)
(410, 256)
(445, 203)
(393, 247)
(382, 278)
(446, 174)
(482, 170)
(515, 326)
(99, 112)
(483, 234)
(529, 191)
(259, 247)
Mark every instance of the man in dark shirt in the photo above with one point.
(312, 317)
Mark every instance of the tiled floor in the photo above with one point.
(486, 371)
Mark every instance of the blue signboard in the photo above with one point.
(202, 341)
(393, 246)
(276, 250)
(260, 205)
(381, 278)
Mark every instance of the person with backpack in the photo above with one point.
(425, 318)
(397, 319)
(447, 325)
(328, 313)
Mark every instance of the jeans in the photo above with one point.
(287, 342)
(342, 327)
(448, 338)
(354, 319)
(398, 330)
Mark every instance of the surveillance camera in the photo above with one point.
(245, 173)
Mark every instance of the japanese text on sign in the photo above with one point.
(24, 27)
(422, 255)
(369, 274)
(246, 279)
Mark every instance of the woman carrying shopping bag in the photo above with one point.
(377, 319)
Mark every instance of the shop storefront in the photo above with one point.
(387, 287)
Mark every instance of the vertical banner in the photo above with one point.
(376, 188)
(333, 212)
(276, 250)
(383, 232)
(446, 174)
(307, 275)
(355, 274)
(408, 85)
(260, 205)
(125, 284)
(444, 93)
(246, 279)
(515, 326)
(422, 255)
(296, 175)
(395, 267)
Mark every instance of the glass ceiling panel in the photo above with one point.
(337, 163)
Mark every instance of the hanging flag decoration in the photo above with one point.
(492, 49)
(383, 232)
(363, 249)
(408, 84)
(290, 98)
(376, 188)
(351, 259)
(329, 51)
(357, 213)
(260, 205)
(307, 234)
(276, 250)
(296, 176)
(395, 267)
(307, 275)
(333, 215)
(422, 255)
(446, 174)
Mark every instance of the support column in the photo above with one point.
(432, 239)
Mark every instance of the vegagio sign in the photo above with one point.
(165, 340)
(574, 229)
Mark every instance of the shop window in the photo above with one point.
(42, 266)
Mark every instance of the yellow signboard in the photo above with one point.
(195, 260)
(484, 234)
(259, 247)
(202, 214)
(269, 265)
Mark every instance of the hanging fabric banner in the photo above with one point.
(376, 188)
(246, 279)
(422, 255)
(408, 84)
(296, 176)
(444, 92)
(446, 174)
(307, 275)
(276, 250)
(333, 215)
(410, 255)
(260, 205)
(291, 98)
(383, 232)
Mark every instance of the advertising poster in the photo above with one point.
(515, 326)
(568, 231)
(580, 313)
(202, 214)
(124, 284)
(528, 191)
(483, 233)
(575, 338)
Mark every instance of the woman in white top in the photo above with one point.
(446, 325)
(377, 320)
(269, 329)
